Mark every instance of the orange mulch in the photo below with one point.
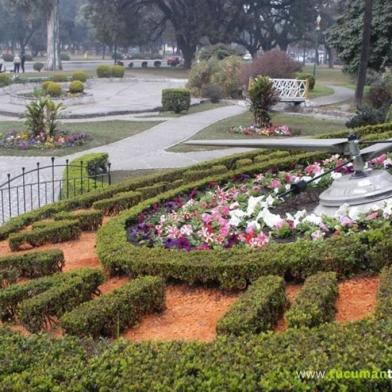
(191, 315)
(292, 291)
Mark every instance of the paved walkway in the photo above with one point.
(340, 95)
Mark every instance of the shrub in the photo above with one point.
(76, 87)
(366, 115)
(275, 64)
(379, 96)
(104, 71)
(201, 75)
(212, 91)
(176, 100)
(157, 63)
(88, 220)
(131, 65)
(118, 71)
(84, 174)
(65, 57)
(36, 312)
(54, 89)
(263, 96)
(80, 76)
(30, 265)
(145, 64)
(219, 51)
(384, 295)
(257, 310)
(8, 57)
(113, 313)
(59, 78)
(55, 232)
(120, 202)
(38, 66)
(5, 80)
(315, 303)
(45, 85)
(389, 115)
(309, 77)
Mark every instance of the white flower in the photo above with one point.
(354, 213)
(313, 219)
(342, 211)
(186, 230)
(271, 220)
(253, 202)
(236, 217)
(336, 176)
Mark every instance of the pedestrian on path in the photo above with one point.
(22, 62)
(17, 62)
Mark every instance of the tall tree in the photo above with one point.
(53, 35)
(364, 59)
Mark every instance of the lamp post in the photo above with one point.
(316, 56)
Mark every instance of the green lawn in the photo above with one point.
(330, 75)
(101, 133)
(303, 125)
(320, 90)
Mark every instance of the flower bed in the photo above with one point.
(245, 212)
(254, 130)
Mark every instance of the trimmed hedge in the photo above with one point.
(35, 313)
(120, 202)
(90, 220)
(104, 71)
(30, 265)
(315, 303)
(176, 100)
(257, 310)
(111, 314)
(53, 232)
(384, 295)
(78, 180)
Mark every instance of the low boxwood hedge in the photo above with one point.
(36, 312)
(30, 265)
(120, 202)
(315, 303)
(384, 295)
(176, 100)
(52, 232)
(110, 314)
(90, 220)
(257, 310)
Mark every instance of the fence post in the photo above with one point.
(53, 179)
(24, 188)
(9, 194)
(109, 173)
(81, 177)
(39, 185)
(67, 171)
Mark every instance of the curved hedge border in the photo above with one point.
(110, 314)
(315, 303)
(384, 295)
(257, 310)
(88, 220)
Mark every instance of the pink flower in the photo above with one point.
(275, 184)
(289, 178)
(259, 241)
(379, 160)
(345, 221)
(317, 235)
(207, 218)
(314, 169)
(372, 216)
(186, 230)
(173, 232)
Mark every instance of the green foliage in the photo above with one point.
(120, 202)
(65, 57)
(218, 51)
(389, 115)
(315, 303)
(118, 71)
(76, 87)
(309, 77)
(263, 96)
(80, 76)
(366, 115)
(30, 265)
(257, 310)
(201, 74)
(53, 89)
(112, 313)
(38, 66)
(59, 78)
(90, 220)
(34, 313)
(84, 174)
(5, 80)
(104, 71)
(213, 91)
(53, 233)
(384, 295)
(176, 100)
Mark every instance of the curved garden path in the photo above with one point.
(341, 94)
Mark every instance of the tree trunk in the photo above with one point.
(188, 51)
(364, 60)
(53, 46)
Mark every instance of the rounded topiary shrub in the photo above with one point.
(118, 71)
(5, 80)
(157, 64)
(76, 87)
(213, 91)
(104, 71)
(80, 76)
(54, 89)
(309, 77)
(45, 85)
(176, 100)
(38, 67)
(59, 77)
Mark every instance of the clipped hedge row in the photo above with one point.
(53, 232)
(267, 362)
(36, 312)
(384, 295)
(315, 303)
(90, 220)
(120, 202)
(111, 314)
(30, 265)
(257, 310)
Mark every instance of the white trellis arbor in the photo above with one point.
(292, 90)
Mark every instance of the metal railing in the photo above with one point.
(47, 184)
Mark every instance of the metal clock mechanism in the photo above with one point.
(365, 189)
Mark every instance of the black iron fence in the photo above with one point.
(47, 184)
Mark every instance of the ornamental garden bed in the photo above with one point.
(347, 251)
